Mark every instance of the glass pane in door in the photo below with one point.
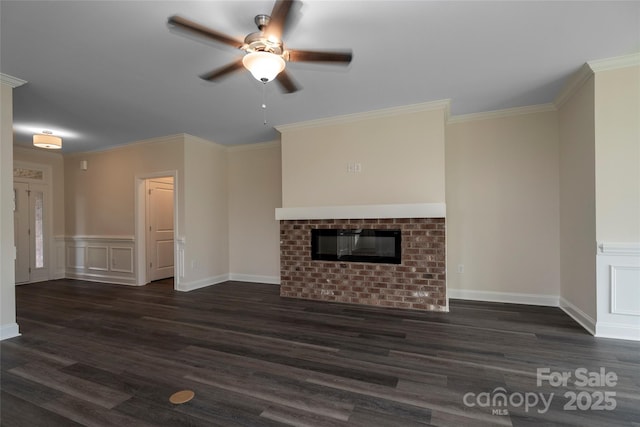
(39, 229)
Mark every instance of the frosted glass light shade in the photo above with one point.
(264, 66)
(47, 141)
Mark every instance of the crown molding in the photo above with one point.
(375, 114)
(130, 145)
(507, 112)
(8, 80)
(588, 69)
(606, 64)
(575, 82)
(254, 146)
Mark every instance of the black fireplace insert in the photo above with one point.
(358, 245)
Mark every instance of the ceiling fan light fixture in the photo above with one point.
(47, 140)
(264, 66)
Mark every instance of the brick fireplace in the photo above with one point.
(418, 282)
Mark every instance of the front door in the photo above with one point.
(28, 226)
(159, 228)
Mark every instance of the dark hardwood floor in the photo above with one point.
(104, 355)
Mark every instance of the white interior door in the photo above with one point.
(29, 232)
(160, 228)
(21, 231)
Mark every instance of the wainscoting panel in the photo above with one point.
(618, 287)
(108, 259)
(625, 292)
(98, 258)
(59, 258)
(180, 258)
(75, 256)
(122, 259)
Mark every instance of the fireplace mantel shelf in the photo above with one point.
(413, 210)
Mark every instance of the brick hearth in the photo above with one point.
(419, 282)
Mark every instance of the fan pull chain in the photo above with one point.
(264, 103)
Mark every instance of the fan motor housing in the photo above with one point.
(258, 42)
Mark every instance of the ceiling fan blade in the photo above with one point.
(279, 18)
(223, 71)
(315, 56)
(286, 82)
(201, 30)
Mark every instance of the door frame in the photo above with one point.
(48, 240)
(141, 225)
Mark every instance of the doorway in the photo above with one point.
(29, 225)
(156, 230)
(160, 228)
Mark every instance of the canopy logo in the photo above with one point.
(499, 400)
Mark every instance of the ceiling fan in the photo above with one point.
(265, 53)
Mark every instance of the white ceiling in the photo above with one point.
(106, 73)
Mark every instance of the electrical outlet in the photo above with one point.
(460, 268)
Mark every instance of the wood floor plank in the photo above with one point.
(82, 389)
(17, 412)
(101, 355)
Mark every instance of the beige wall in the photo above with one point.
(577, 200)
(402, 158)
(502, 204)
(254, 194)
(101, 200)
(205, 196)
(56, 162)
(7, 267)
(617, 155)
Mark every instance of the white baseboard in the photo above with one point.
(103, 278)
(10, 330)
(617, 331)
(270, 280)
(579, 316)
(202, 283)
(506, 297)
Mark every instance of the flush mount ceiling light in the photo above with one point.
(264, 66)
(46, 139)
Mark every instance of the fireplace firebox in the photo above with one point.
(357, 245)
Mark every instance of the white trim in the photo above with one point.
(255, 146)
(123, 238)
(375, 114)
(586, 321)
(505, 297)
(129, 145)
(617, 331)
(202, 283)
(614, 289)
(608, 248)
(59, 265)
(106, 258)
(497, 114)
(10, 330)
(574, 82)
(131, 263)
(140, 209)
(8, 80)
(251, 278)
(615, 63)
(416, 210)
(102, 278)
